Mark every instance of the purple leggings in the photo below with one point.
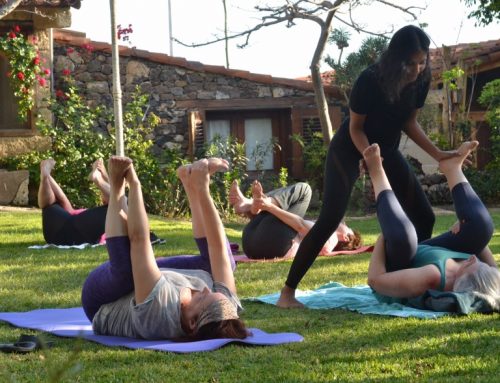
(113, 279)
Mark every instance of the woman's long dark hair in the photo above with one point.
(390, 68)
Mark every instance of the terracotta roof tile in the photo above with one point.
(51, 3)
(64, 36)
(480, 54)
(328, 78)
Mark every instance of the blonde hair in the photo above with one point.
(485, 282)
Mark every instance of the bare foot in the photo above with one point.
(217, 165)
(238, 201)
(200, 174)
(183, 173)
(131, 176)
(463, 151)
(99, 165)
(287, 299)
(95, 176)
(46, 167)
(372, 158)
(257, 195)
(118, 168)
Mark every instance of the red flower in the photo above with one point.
(69, 50)
(20, 76)
(60, 93)
(46, 71)
(88, 47)
(42, 81)
(12, 35)
(36, 60)
(17, 29)
(66, 72)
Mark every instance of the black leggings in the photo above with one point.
(341, 171)
(62, 228)
(400, 237)
(266, 236)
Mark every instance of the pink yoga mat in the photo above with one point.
(363, 249)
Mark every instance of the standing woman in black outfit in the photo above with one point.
(384, 102)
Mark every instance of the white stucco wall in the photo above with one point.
(408, 147)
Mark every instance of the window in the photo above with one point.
(259, 143)
(311, 126)
(220, 128)
(257, 129)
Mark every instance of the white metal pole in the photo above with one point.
(117, 90)
(170, 37)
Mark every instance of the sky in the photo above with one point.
(277, 50)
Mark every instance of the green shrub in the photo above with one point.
(490, 98)
(76, 144)
(234, 152)
(314, 153)
(486, 183)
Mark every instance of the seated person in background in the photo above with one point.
(457, 260)
(277, 225)
(62, 224)
(131, 296)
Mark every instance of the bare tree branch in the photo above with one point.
(359, 28)
(405, 10)
(322, 13)
(8, 6)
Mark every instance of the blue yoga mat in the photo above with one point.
(72, 322)
(358, 298)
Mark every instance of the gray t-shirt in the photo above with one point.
(159, 316)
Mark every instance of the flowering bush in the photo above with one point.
(25, 68)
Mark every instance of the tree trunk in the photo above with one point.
(319, 91)
(9, 7)
(446, 115)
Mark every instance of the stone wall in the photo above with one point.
(166, 84)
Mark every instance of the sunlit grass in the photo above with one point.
(339, 345)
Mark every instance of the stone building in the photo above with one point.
(194, 101)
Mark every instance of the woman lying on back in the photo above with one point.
(458, 261)
(132, 296)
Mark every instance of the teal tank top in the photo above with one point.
(434, 255)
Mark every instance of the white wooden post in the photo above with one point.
(117, 90)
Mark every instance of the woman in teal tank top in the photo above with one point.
(458, 260)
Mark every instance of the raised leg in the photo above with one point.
(116, 218)
(452, 167)
(409, 193)
(476, 225)
(49, 191)
(238, 201)
(113, 279)
(399, 233)
(197, 180)
(99, 176)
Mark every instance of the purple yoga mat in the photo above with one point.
(72, 322)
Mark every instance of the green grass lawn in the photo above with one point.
(339, 345)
